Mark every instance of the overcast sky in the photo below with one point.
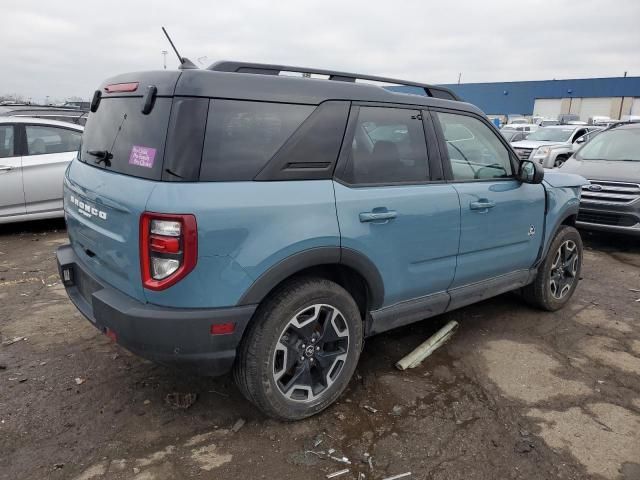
(65, 48)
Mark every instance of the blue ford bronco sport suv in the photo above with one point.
(236, 218)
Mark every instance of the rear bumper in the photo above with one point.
(171, 336)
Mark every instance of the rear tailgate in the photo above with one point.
(107, 187)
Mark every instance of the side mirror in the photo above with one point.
(581, 140)
(530, 172)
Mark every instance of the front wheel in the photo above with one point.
(301, 349)
(559, 273)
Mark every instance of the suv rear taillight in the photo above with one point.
(168, 248)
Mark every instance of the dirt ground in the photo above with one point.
(516, 393)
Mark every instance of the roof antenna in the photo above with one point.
(185, 63)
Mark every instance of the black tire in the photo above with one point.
(261, 358)
(541, 292)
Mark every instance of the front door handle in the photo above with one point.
(378, 216)
(5, 168)
(482, 204)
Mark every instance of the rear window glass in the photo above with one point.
(134, 141)
(241, 136)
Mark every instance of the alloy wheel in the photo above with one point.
(564, 269)
(311, 351)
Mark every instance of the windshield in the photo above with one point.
(616, 145)
(551, 134)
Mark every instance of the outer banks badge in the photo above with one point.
(142, 156)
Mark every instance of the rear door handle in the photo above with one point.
(5, 168)
(378, 216)
(482, 205)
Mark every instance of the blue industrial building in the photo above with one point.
(615, 97)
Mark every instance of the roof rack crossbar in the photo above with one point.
(268, 69)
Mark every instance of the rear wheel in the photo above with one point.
(559, 273)
(301, 349)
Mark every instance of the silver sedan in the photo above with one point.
(34, 154)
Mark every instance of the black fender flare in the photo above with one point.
(316, 257)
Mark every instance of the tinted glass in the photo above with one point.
(617, 145)
(474, 150)
(136, 141)
(42, 140)
(6, 141)
(185, 138)
(241, 137)
(388, 147)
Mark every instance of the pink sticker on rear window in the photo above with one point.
(142, 156)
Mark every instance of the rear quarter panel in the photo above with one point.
(244, 228)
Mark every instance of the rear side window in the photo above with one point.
(134, 141)
(241, 136)
(388, 147)
(6, 141)
(43, 140)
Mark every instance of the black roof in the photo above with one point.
(246, 82)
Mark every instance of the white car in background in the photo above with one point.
(34, 154)
(551, 146)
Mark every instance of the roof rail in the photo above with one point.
(268, 69)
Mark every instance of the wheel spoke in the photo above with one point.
(330, 332)
(300, 378)
(305, 323)
(326, 360)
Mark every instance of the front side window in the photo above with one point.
(474, 150)
(6, 141)
(388, 147)
(42, 140)
(241, 136)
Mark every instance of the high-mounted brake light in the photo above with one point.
(168, 248)
(121, 87)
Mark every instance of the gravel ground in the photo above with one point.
(516, 393)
